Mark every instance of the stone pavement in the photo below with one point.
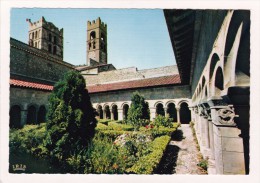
(188, 156)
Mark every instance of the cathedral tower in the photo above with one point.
(96, 42)
(46, 36)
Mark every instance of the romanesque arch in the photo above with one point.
(219, 81)
(15, 117)
(171, 111)
(160, 109)
(125, 110)
(100, 111)
(215, 58)
(31, 115)
(115, 112)
(107, 112)
(41, 114)
(185, 114)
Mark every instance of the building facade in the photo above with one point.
(210, 85)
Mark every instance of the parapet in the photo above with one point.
(43, 23)
(97, 23)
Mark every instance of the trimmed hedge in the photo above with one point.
(147, 164)
(104, 121)
(117, 126)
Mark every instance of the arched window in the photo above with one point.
(115, 112)
(213, 63)
(102, 37)
(36, 34)
(41, 115)
(55, 39)
(160, 109)
(185, 115)
(93, 35)
(31, 115)
(219, 81)
(15, 117)
(171, 111)
(49, 48)
(107, 112)
(125, 111)
(33, 35)
(100, 112)
(89, 46)
(35, 44)
(54, 50)
(50, 37)
(94, 45)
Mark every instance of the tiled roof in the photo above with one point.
(27, 84)
(141, 83)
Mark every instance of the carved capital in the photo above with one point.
(196, 110)
(226, 115)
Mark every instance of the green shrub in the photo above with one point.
(117, 126)
(112, 134)
(203, 164)
(29, 139)
(101, 126)
(146, 164)
(138, 111)
(104, 121)
(165, 121)
(71, 117)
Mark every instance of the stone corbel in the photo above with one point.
(222, 113)
(207, 111)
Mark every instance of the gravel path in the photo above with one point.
(188, 156)
(181, 155)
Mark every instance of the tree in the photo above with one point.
(138, 113)
(71, 118)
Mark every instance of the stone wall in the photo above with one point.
(131, 73)
(160, 93)
(34, 63)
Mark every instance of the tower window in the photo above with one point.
(102, 37)
(89, 46)
(50, 37)
(33, 35)
(54, 50)
(36, 35)
(55, 39)
(94, 45)
(93, 35)
(49, 48)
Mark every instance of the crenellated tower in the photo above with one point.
(96, 42)
(46, 36)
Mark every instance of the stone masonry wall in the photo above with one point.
(34, 63)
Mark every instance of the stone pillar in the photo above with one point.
(23, 117)
(228, 146)
(104, 114)
(152, 113)
(111, 114)
(120, 114)
(178, 114)
(165, 111)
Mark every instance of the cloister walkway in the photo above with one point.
(182, 155)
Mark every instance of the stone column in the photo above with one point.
(178, 114)
(120, 113)
(104, 114)
(165, 111)
(152, 113)
(23, 117)
(228, 146)
(111, 114)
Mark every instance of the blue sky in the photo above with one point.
(136, 37)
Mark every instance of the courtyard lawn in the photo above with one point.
(117, 148)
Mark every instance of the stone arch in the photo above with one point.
(219, 81)
(214, 60)
(41, 114)
(100, 111)
(125, 108)
(159, 109)
(31, 115)
(171, 110)
(185, 114)
(114, 111)
(203, 81)
(15, 117)
(107, 112)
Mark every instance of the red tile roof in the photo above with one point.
(28, 84)
(150, 82)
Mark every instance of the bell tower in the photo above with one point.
(46, 36)
(96, 42)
